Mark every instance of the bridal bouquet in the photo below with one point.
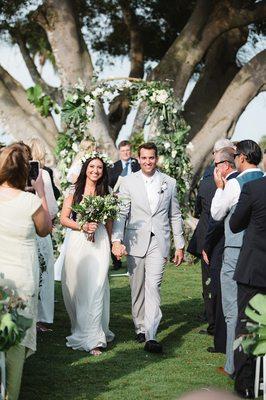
(13, 326)
(96, 209)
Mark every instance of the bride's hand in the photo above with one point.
(90, 227)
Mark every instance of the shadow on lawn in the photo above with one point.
(60, 373)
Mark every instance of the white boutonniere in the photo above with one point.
(163, 187)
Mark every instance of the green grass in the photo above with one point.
(125, 371)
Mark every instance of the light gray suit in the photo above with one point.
(147, 240)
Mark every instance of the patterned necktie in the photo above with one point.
(125, 170)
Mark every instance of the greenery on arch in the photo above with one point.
(79, 109)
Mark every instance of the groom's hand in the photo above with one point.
(118, 250)
(179, 257)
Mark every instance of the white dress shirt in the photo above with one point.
(225, 199)
(152, 185)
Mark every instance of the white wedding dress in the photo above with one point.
(85, 289)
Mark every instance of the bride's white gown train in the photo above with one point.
(85, 289)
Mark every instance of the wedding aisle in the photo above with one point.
(125, 371)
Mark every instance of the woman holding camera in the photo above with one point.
(45, 245)
(22, 215)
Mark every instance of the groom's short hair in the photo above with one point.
(148, 146)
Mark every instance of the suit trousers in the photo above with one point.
(229, 302)
(207, 297)
(244, 363)
(146, 275)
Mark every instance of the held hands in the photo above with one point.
(118, 250)
(219, 180)
(179, 257)
(90, 227)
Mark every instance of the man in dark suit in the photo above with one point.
(124, 167)
(250, 273)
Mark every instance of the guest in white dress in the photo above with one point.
(85, 283)
(45, 246)
(22, 214)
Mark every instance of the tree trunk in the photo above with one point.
(45, 126)
(120, 106)
(244, 87)
(208, 21)
(57, 17)
(219, 70)
(20, 124)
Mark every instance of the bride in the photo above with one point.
(85, 283)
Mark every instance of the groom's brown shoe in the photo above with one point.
(153, 347)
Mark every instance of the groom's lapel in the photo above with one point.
(142, 191)
(161, 193)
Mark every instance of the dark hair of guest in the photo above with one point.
(14, 166)
(251, 150)
(124, 143)
(101, 185)
(148, 146)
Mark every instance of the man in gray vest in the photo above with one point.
(247, 156)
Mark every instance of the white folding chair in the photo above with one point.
(260, 385)
(3, 375)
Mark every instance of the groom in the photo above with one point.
(150, 207)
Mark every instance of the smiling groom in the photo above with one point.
(150, 208)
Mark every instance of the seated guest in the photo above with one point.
(247, 156)
(123, 167)
(213, 253)
(250, 273)
(22, 214)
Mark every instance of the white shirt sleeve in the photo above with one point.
(225, 199)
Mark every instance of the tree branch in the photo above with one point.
(54, 93)
(120, 106)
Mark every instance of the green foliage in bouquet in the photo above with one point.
(255, 341)
(97, 209)
(13, 326)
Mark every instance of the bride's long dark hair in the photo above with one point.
(101, 185)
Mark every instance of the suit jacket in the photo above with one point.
(205, 194)
(141, 221)
(115, 171)
(250, 214)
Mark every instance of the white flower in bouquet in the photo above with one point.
(161, 96)
(143, 93)
(75, 98)
(89, 111)
(97, 92)
(167, 145)
(75, 147)
(174, 110)
(87, 98)
(153, 97)
(161, 118)
(127, 84)
(63, 153)
(173, 153)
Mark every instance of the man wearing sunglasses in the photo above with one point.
(247, 156)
